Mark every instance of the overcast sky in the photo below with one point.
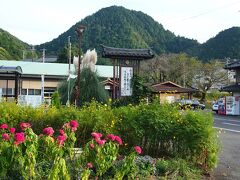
(39, 21)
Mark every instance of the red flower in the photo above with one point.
(138, 149)
(89, 165)
(61, 139)
(100, 142)
(96, 135)
(118, 139)
(5, 136)
(4, 126)
(61, 132)
(91, 145)
(73, 123)
(48, 131)
(12, 130)
(111, 137)
(19, 138)
(24, 125)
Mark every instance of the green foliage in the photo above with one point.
(161, 130)
(55, 100)
(225, 44)
(119, 27)
(176, 169)
(90, 88)
(12, 48)
(63, 55)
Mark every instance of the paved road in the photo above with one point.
(229, 136)
(228, 123)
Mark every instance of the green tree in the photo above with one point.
(90, 88)
(208, 75)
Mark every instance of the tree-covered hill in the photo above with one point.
(225, 44)
(119, 27)
(11, 47)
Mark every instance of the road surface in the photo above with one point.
(229, 159)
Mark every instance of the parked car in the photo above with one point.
(190, 104)
(215, 107)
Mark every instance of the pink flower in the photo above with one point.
(48, 131)
(100, 142)
(66, 125)
(96, 135)
(24, 125)
(91, 145)
(4, 126)
(138, 149)
(19, 138)
(61, 131)
(61, 139)
(12, 130)
(89, 165)
(74, 123)
(5, 136)
(111, 137)
(73, 129)
(118, 139)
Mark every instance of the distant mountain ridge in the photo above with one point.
(225, 44)
(10, 46)
(119, 27)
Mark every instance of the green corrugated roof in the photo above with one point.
(55, 69)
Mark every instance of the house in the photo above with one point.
(170, 92)
(31, 77)
(233, 88)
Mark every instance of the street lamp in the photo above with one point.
(79, 31)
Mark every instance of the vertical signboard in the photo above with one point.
(126, 76)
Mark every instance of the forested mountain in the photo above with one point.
(225, 44)
(119, 27)
(10, 46)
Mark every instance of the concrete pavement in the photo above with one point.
(229, 136)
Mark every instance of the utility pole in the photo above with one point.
(32, 50)
(69, 70)
(42, 76)
(79, 31)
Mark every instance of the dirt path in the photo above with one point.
(229, 159)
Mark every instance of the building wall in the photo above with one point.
(169, 97)
(3, 83)
(37, 84)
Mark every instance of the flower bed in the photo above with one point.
(30, 156)
(161, 130)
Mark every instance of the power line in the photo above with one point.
(210, 11)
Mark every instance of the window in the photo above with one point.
(37, 92)
(24, 92)
(8, 91)
(30, 91)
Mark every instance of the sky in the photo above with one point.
(40, 21)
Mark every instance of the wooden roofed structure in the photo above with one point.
(126, 63)
(170, 89)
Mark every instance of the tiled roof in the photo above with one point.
(129, 54)
(231, 88)
(171, 87)
(234, 65)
